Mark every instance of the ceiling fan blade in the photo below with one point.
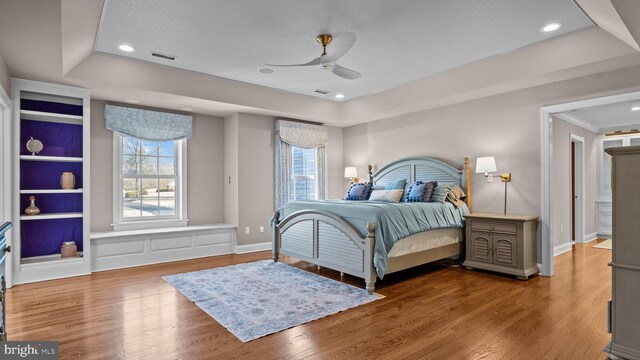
(339, 47)
(316, 61)
(344, 72)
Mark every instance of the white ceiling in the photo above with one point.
(398, 41)
(609, 116)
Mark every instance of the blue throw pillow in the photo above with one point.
(359, 191)
(440, 193)
(420, 191)
(416, 191)
(397, 185)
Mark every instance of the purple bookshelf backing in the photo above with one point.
(58, 139)
(49, 106)
(44, 237)
(46, 175)
(54, 203)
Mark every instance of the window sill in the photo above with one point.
(151, 224)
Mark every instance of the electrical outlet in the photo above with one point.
(261, 229)
(561, 229)
(247, 230)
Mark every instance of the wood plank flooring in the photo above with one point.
(430, 312)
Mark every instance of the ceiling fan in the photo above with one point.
(327, 61)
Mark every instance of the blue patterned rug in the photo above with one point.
(260, 298)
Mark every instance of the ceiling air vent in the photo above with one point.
(323, 92)
(163, 56)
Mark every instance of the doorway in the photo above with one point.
(577, 189)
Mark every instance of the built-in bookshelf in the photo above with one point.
(58, 116)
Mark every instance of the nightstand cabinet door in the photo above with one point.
(505, 250)
(481, 247)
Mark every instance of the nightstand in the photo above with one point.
(502, 243)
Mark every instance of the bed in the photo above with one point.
(353, 237)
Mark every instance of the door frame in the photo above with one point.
(579, 187)
(6, 198)
(546, 173)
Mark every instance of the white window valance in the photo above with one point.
(147, 124)
(302, 135)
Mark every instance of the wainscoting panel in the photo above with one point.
(121, 249)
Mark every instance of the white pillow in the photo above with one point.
(386, 195)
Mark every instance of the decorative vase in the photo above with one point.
(68, 181)
(32, 209)
(68, 249)
(34, 146)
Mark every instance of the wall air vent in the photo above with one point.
(323, 92)
(163, 56)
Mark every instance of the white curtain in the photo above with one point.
(302, 135)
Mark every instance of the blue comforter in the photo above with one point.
(394, 221)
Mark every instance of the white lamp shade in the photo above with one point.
(486, 164)
(350, 172)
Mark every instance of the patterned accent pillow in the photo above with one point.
(387, 195)
(440, 193)
(359, 191)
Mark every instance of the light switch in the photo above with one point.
(261, 229)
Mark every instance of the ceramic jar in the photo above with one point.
(69, 249)
(32, 209)
(68, 181)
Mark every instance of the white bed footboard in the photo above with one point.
(325, 239)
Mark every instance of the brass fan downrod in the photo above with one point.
(324, 40)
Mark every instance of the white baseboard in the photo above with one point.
(561, 249)
(590, 237)
(245, 249)
(604, 236)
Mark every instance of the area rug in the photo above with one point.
(607, 244)
(260, 298)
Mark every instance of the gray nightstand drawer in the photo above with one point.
(494, 227)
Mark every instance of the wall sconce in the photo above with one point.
(487, 165)
(352, 173)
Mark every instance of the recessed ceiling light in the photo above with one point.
(126, 48)
(635, 108)
(551, 27)
(266, 70)
(339, 96)
(186, 109)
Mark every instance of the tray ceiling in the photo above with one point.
(398, 41)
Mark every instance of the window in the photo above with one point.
(304, 179)
(149, 184)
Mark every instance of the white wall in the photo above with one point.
(561, 167)
(5, 77)
(205, 161)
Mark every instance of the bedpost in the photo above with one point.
(469, 190)
(276, 235)
(369, 170)
(370, 274)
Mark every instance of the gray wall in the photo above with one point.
(506, 126)
(5, 77)
(205, 158)
(561, 210)
(252, 195)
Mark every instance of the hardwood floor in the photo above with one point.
(431, 312)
